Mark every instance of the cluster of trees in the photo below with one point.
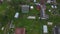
(10, 11)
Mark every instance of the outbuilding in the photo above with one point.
(16, 15)
(25, 8)
(19, 30)
(45, 29)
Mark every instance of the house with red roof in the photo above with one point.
(19, 30)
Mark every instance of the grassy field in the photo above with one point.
(32, 26)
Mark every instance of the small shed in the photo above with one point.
(20, 31)
(16, 14)
(31, 17)
(45, 29)
(25, 8)
(56, 30)
(34, 0)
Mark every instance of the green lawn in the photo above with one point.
(32, 26)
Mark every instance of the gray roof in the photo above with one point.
(55, 30)
(25, 8)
